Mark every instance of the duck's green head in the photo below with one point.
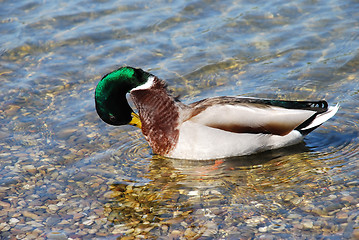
(110, 95)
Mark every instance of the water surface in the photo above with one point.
(66, 174)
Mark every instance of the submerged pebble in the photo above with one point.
(56, 236)
(307, 224)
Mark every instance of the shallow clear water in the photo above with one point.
(66, 174)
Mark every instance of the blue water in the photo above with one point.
(65, 173)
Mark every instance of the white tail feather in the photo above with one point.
(321, 118)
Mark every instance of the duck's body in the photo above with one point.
(215, 127)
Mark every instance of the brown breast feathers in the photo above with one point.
(159, 116)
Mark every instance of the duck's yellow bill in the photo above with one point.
(135, 120)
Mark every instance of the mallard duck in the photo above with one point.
(212, 128)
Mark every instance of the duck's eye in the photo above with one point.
(112, 117)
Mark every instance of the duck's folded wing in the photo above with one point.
(251, 115)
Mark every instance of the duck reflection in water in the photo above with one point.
(203, 196)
